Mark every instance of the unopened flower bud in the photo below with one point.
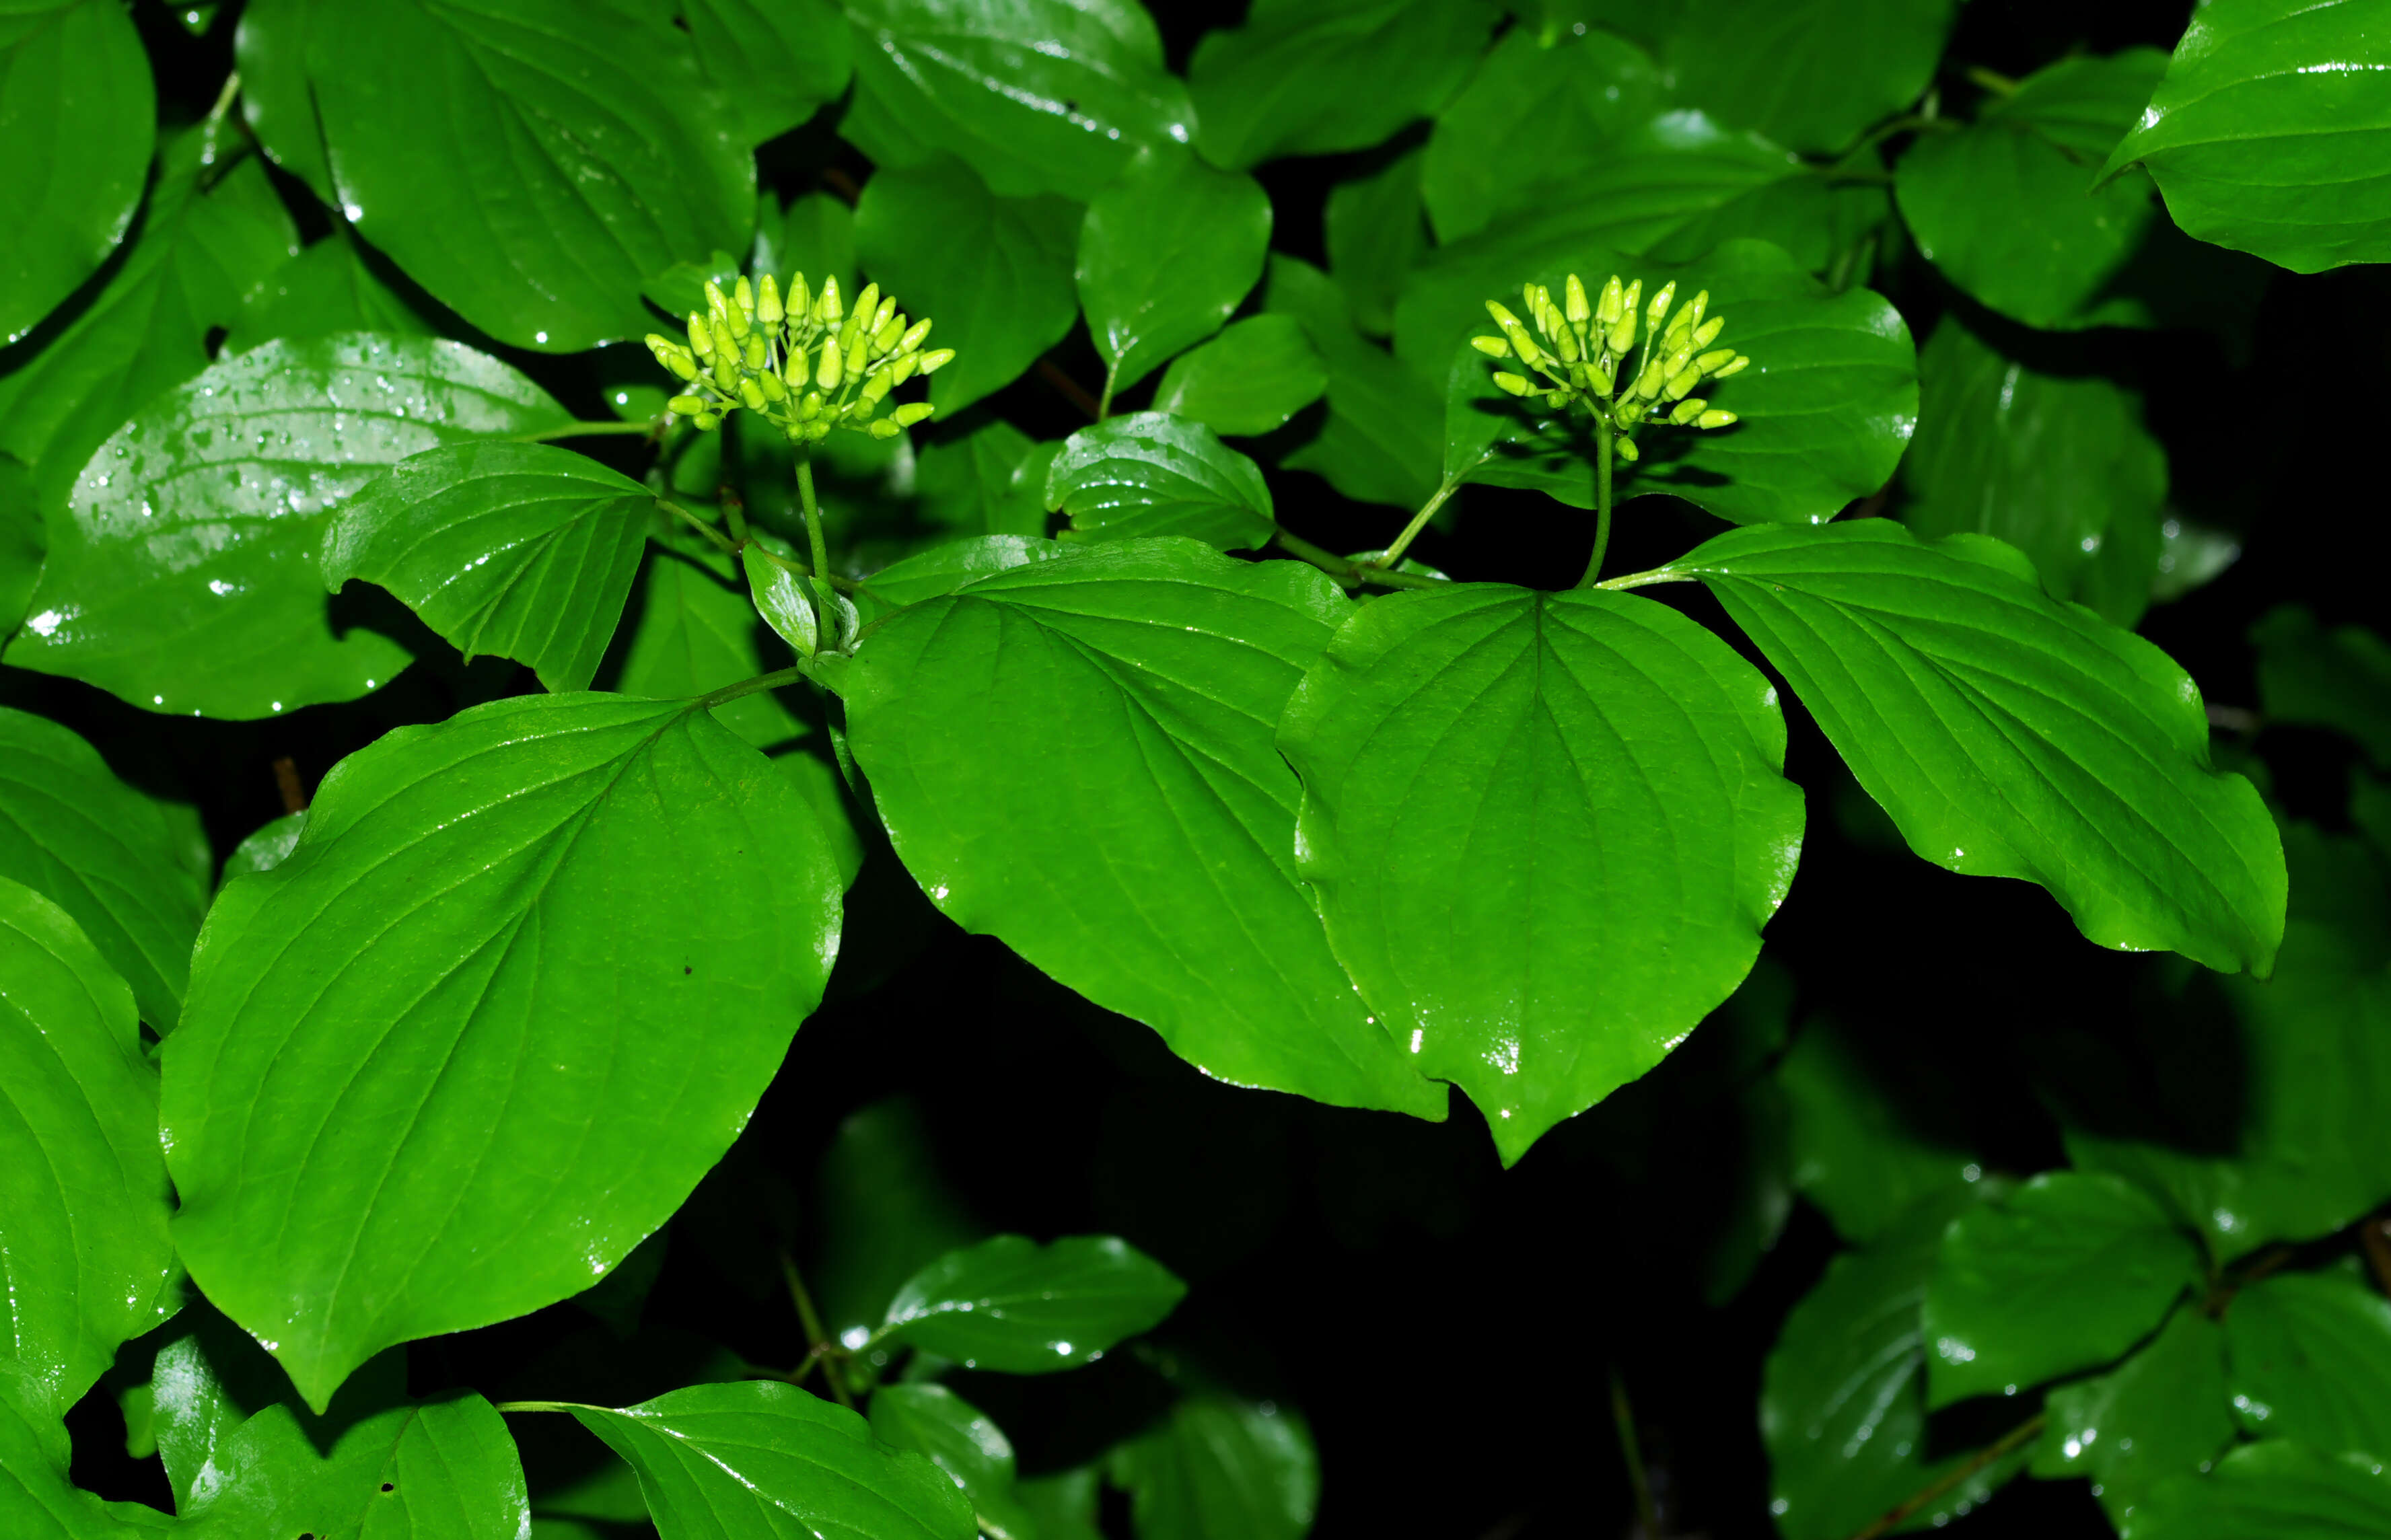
(752, 393)
(832, 368)
(1511, 383)
(726, 345)
(933, 361)
(715, 303)
(1579, 312)
(701, 336)
(867, 303)
(812, 407)
(1687, 410)
(688, 406)
(1523, 344)
(767, 302)
(855, 348)
(1715, 417)
(707, 422)
(1492, 347)
(1648, 384)
(726, 366)
(1734, 365)
(757, 355)
(911, 413)
(798, 303)
(1660, 306)
(915, 334)
(884, 341)
(1627, 450)
(774, 390)
(886, 313)
(1613, 303)
(883, 427)
(826, 304)
(876, 386)
(1712, 361)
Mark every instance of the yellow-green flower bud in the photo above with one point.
(1715, 417)
(1600, 380)
(915, 334)
(1627, 451)
(773, 389)
(1613, 303)
(1660, 306)
(726, 368)
(855, 349)
(1622, 335)
(707, 422)
(867, 303)
(901, 367)
(745, 292)
(1680, 326)
(1701, 302)
(933, 361)
(886, 313)
(884, 341)
(798, 304)
(1579, 312)
(1492, 347)
(832, 368)
(757, 355)
(883, 429)
(1707, 333)
(688, 406)
(1511, 383)
(875, 387)
(1523, 344)
(715, 303)
(911, 413)
(1687, 410)
(1569, 348)
(752, 393)
(1711, 362)
(1734, 367)
(1681, 381)
(826, 306)
(726, 345)
(767, 302)
(812, 407)
(701, 337)
(1648, 384)
(1503, 317)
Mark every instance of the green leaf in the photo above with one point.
(1150, 865)
(1165, 255)
(774, 62)
(2064, 1274)
(1064, 1506)
(1219, 1465)
(1312, 77)
(1843, 1404)
(606, 870)
(2265, 134)
(814, 234)
(2005, 207)
(1384, 432)
(983, 483)
(208, 1378)
(1016, 1307)
(267, 846)
(102, 851)
(2275, 1489)
(1864, 1152)
(885, 1213)
(21, 542)
(1614, 760)
(958, 1438)
(2049, 462)
(2161, 1412)
(518, 550)
(942, 570)
(761, 1461)
(85, 1256)
(786, 607)
(70, 384)
(697, 630)
(994, 274)
(1036, 96)
(336, 284)
(1494, 439)
(1376, 231)
(442, 1469)
(38, 1500)
(183, 574)
(1150, 473)
(1248, 381)
(2010, 735)
(1811, 74)
(580, 153)
(77, 101)
(2310, 1354)
(1570, 97)
(2339, 680)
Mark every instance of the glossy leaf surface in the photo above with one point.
(2064, 1274)
(944, 568)
(1166, 254)
(786, 607)
(2010, 735)
(333, 286)
(554, 885)
(2276, 1488)
(102, 851)
(521, 550)
(2310, 1356)
(1076, 757)
(1545, 831)
(774, 62)
(984, 482)
(38, 1500)
(698, 631)
(443, 1469)
(183, 572)
(1153, 474)
(555, 128)
(1247, 381)
(2265, 134)
(77, 109)
(2161, 1413)
(1811, 74)
(1219, 1465)
(958, 1439)
(764, 1461)
(1014, 1306)
(993, 274)
(86, 1261)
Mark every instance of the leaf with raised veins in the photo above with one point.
(1016, 1307)
(1150, 473)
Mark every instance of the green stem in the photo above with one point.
(545, 1406)
(810, 1319)
(1993, 81)
(1602, 431)
(1344, 571)
(1646, 580)
(827, 623)
(583, 430)
(762, 682)
(700, 526)
(845, 585)
(2021, 1434)
(1104, 402)
(1394, 553)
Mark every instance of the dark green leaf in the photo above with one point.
(519, 550)
(1064, 1506)
(2005, 207)
(993, 274)
(2010, 735)
(1220, 1465)
(2161, 1412)
(442, 1469)
(1376, 231)
(2051, 463)
(941, 570)
(1151, 474)
(21, 542)
(2278, 1489)
(983, 483)
(606, 870)
(775, 61)
(335, 285)
(1166, 254)
(1452, 733)
(2339, 679)
(1385, 426)
(271, 50)
(579, 153)
(1311, 77)
(1037, 96)
(2064, 1274)
(1495, 440)
(77, 102)
(760, 1461)
(1016, 1307)
(885, 1213)
(698, 631)
(1811, 74)
(815, 234)
(183, 574)
(2266, 135)
(83, 1202)
(1248, 381)
(102, 851)
(2310, 1356)
(1151, 865)
(958, 1438)
(1865, 1153)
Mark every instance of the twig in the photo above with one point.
(811, 1320)
(2023, 1432)
(1351, 572)
(1623, 1417)
(1073, 392)
(286, 780)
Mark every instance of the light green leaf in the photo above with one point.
(606, 872)
(1016, 1307)
(443, 1469)
(208, 1378)
(183, 574)
(1248, 381)
(1153, 474)
(2267, 134)
(983, 483)
(86, 1261)
(38, 1501)
(942, 570)
(2051, 463)
(579, 154)
(518, 550)
(1312, 77)
(2161, 1412)
(1866, 1153)
(1036, 96)
(884, 1211)
(77, 101)
(2309, 1355)
(267, 846)
(1376, 231)
(774, 62)
(1811, 74)
(766, 1461)
(2278, 1489)
(2006, 209)
(1166, 254)
(1614, 762)
(1219, 1465)
(2010, 735)
(2064, 1274)
(958, 1438)
(102, 851)
(1384, 432)
(697, 630)
(993, 274)
(785, 607)
(1147, 864)
(337, 285)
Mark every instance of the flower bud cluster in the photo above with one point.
(1579, 355)
(802, 361)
